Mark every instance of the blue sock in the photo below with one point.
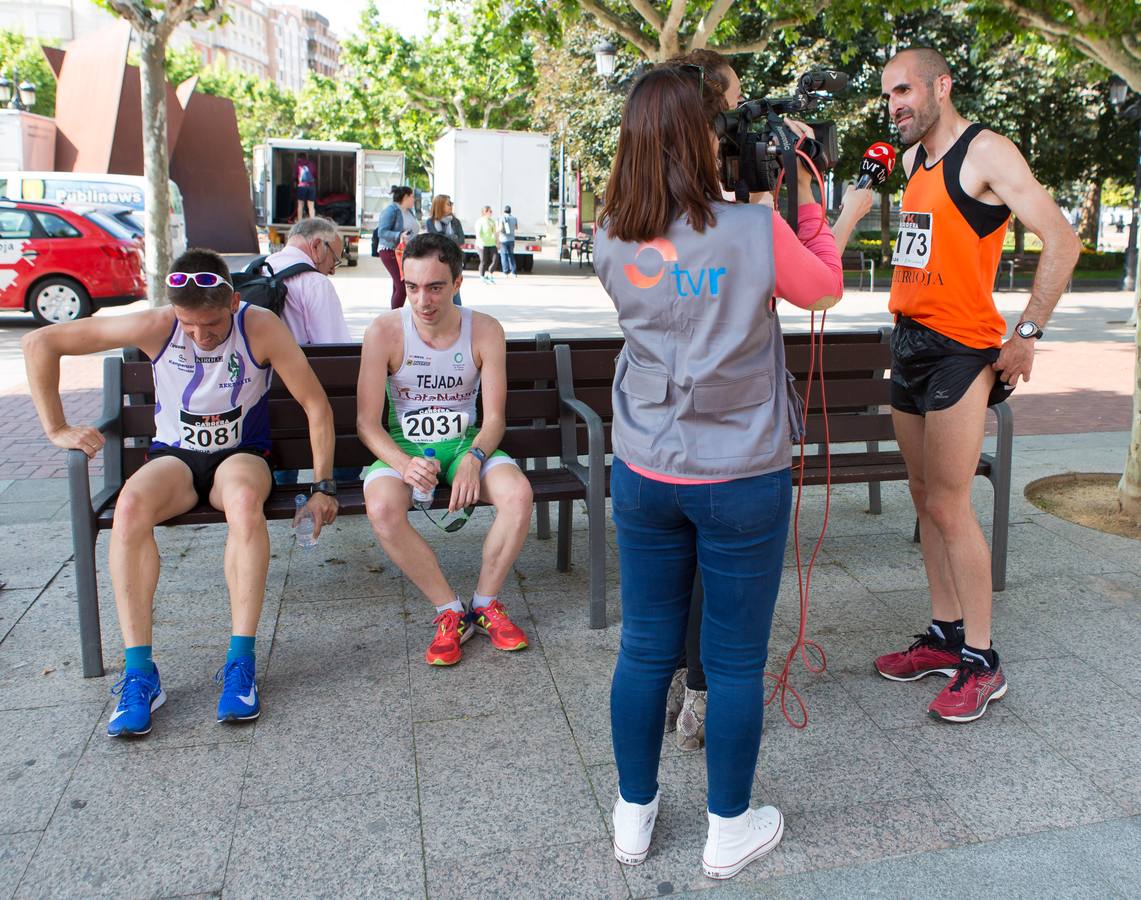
(240, 646)
(139, 659)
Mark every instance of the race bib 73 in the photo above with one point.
(913, 242)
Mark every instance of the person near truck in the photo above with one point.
(306, 182)
(443, 221)
(486, 232)
(397, 224)
(508, 226)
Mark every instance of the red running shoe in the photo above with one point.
(492, 620)
(965, 699)
(452, 629)
(927, 656)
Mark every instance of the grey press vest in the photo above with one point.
(701, 389)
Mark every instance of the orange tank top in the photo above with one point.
(947, 251)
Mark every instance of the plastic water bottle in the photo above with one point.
(304, 527)
(422, 499)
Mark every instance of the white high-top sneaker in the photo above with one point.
(633, 828)
(735, 842)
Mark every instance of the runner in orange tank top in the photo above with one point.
(947, 346)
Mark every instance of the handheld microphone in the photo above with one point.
(827, 80)
(876, 166)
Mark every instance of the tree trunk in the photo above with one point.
(1091, 214)
(1019, 236)
(156, 165)
(885, 228)
(1129, 489)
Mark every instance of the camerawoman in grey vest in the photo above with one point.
(702, 445)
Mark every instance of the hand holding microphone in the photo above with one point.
(876, 166)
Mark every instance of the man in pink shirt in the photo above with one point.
(312, 308)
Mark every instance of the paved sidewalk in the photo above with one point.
(373, 774)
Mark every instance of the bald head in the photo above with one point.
(928, 64)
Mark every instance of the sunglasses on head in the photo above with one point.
(202, 279)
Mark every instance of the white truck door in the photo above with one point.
(377, 172)
(260, 185)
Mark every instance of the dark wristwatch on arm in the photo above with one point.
(478, 454)
(325, 486)
(1027, 329)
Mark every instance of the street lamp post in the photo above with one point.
(605, 53)
(20, 96)
(1118, 93)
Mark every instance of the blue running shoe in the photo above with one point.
(139, 696)
(239, 701)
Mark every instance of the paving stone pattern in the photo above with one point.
(373, 774)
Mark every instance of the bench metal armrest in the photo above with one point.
(571, 410)
(110, 425)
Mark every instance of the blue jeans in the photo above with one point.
(507, 257)
(735, 531)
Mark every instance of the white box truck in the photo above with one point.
(479, 167)
(353, 186)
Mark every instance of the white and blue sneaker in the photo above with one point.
(139, 696)
(239, 701)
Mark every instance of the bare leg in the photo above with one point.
(507, 489)
(387, 501)
(954, 440)
(312, 208)
(910, 433)
(161, 489)
(300, 209)
(241, 486)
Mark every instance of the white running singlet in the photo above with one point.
(213, 400)
(431, 397)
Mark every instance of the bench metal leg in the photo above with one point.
(596, 509)
(1000, 482)
(83, 536)
(563, 552)
(875, 504)
(542, 510)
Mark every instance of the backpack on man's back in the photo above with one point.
(260, 286)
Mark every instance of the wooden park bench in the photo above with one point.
(539, 428)
(858, 261)
(858, 393)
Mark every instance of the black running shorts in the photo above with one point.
(931, 372)
(203, 465)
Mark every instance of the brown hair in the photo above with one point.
(665, 166)
(715, 66)
(191, 296)
(440, 206)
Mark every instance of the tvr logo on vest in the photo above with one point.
(703, 281)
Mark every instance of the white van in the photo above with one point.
(93, 189)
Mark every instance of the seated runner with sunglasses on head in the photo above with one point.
(433, 358)
(213, 358)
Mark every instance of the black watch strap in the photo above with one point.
(326, 486)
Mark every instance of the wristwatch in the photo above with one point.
(326, 486)
(1027, 329)
(478, 454)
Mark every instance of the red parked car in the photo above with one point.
(61, 263)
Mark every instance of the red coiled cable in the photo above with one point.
(782, 683)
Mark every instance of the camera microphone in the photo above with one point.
(876, 166)
(827, 80)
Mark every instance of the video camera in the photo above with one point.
(755, 145)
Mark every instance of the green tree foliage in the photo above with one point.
(1105, 31)
(473, 70)
(22, 56)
